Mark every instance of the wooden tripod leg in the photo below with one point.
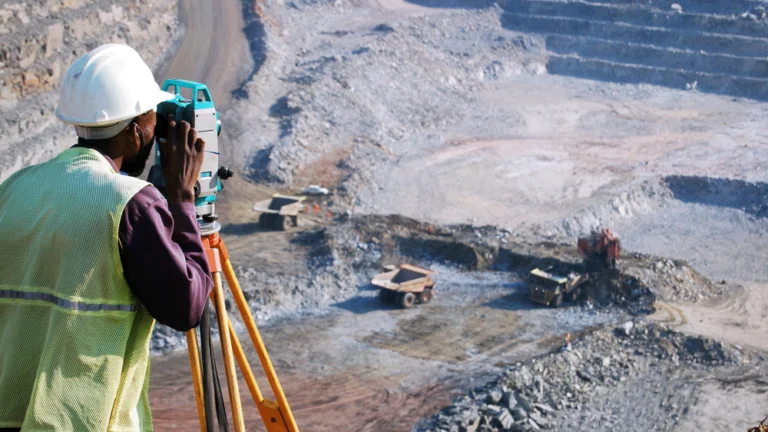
(268, 410)
(226, 347)
(281, 406)
(245, 368)
(197, 376)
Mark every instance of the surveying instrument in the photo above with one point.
(193, 103)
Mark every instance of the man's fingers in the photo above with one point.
(199, 145)
(182, 130)
(191, 137)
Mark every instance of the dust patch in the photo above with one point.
(325, 171)
(449, 334)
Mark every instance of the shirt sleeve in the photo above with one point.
(163, 259)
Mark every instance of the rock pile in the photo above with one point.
(530, 396)
(672, 280)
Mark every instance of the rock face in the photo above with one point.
(39, 39)
(716, 46)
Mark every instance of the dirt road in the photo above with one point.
(214, 50)
(703, 235)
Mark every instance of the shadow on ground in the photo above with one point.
(243, 228)
(518, 302)
(257, 45)
(751, 198)
(362, 305)
(455, 4)
(513, 302)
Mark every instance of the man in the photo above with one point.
(90, 256)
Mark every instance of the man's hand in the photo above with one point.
(181, 157)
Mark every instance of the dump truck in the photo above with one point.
(405, 285)
(600, 250)
(550, 290)
(279, 212)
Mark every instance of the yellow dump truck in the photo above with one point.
(404, 286)
(279, 212)
(550, 290)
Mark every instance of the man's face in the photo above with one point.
(145, 125)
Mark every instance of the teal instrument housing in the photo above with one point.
(184, 109)
(193, 103)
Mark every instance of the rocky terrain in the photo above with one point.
(38, 41)
(331, 100)
(570, 386)
(480, 324)
(343, 255)
(453, 136)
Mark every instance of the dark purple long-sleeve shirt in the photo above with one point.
(163, 258)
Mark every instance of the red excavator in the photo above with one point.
(599, 250)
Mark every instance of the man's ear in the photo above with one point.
(133, 133)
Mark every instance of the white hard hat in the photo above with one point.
(104, 89)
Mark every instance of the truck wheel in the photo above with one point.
(284, 222)
(558, 300)
(263, 220)
(426, 295)
(575, 295)
(407, 300)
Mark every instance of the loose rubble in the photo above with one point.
(532, 395)
(674, 280)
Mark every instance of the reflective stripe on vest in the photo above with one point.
(66, 304)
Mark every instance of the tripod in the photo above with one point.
(276, 415)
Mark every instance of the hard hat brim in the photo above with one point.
(160, 96)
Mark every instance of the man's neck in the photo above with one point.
(102, 146)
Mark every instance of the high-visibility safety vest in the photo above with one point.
(74, 339)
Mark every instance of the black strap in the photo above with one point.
(221, 411)
(206, 354)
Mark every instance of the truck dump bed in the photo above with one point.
(283, 205)
(406, 278)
